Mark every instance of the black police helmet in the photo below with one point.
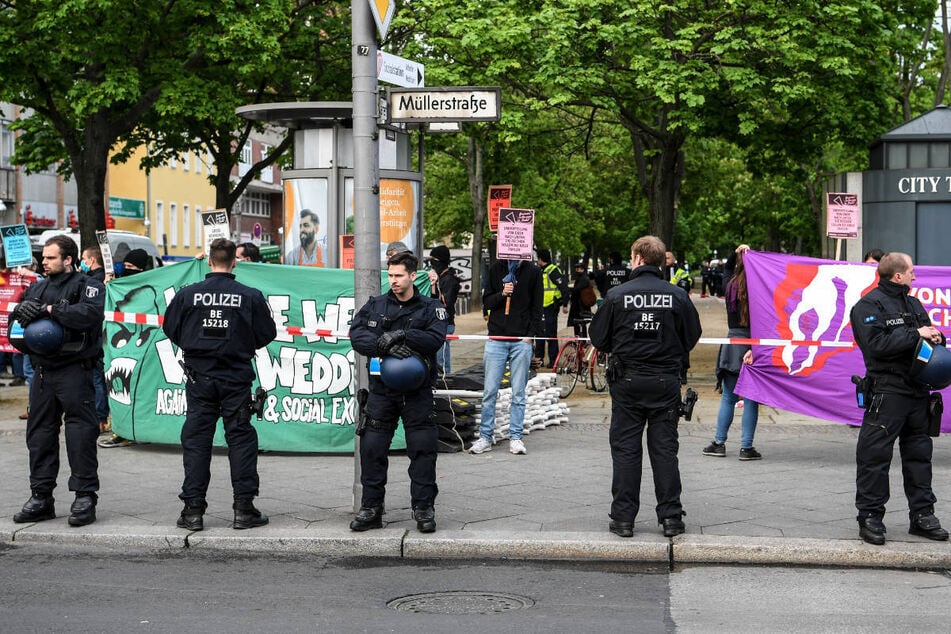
(932, 365)
(404, 375)
(44, 337)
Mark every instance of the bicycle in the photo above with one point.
(580, 360)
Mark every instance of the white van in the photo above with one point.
(120, 242)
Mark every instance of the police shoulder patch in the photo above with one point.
(441, 314)
(870, 318)
(92, 291)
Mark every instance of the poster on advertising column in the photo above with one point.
(305, 222)
(399, 212)
(516, 237)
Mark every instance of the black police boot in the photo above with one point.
(927, 525)
(673, 526)
(368, 517)
(425, 520)
(621, 529)
(246, 516)
(83, 510)
(871, 529)
(39, 507)
(191, 517)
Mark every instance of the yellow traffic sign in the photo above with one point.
(383, 11)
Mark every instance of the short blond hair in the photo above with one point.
(651, 249)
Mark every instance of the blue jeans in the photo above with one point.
(27, 369)
(518, 354)
(442, 355)
(725, 417)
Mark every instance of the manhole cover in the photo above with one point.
(462, 602)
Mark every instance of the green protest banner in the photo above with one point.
(310, 379)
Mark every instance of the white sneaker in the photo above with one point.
(517, 447)
(481, 446)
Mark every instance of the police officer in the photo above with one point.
(399, 323)
(555, 289)
(612, 275)
(649, 326)
(888, 324)
(219, 323)
(62, 390)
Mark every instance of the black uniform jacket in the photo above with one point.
(78, 304)
(885, 324)
(647, 324)
(525, 309)
(219, 323)
(422, 319)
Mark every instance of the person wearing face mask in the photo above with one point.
(91, 265)
(135, 262)
(444, 284)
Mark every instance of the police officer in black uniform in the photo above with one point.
(888, 324)
(400, 323)
(62, 391)
(612, 275)
(219, 323)
(649, 326)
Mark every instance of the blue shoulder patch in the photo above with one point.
(870, 318)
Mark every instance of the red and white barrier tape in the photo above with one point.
(298, 331)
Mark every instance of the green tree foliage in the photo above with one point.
(91, 70)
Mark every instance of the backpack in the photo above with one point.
(587, 296)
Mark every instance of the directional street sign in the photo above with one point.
(398, 71)
(423, 105)
(383, 11)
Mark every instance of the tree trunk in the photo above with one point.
(662, 151)
(477, 196)
(89, 169)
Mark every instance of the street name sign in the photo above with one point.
(425, 105)
(399, 71)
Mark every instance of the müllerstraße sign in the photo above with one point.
(424, 105)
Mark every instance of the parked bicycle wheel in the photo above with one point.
(598, 371)
(566, 368)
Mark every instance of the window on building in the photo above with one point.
(199, 236)
(897, 156)
(257, 204)
(173, 162)
(173, 224)
(939, 154)
(246, 153)
(918, 155)
(159, 221)
(186, 227)
(186, 161)
(6, 144)
(210, 164)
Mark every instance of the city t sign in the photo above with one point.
(428, 105)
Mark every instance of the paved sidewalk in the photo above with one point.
(793, 507)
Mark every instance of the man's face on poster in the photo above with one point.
(308, 230)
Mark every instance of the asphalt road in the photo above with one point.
(51, 588)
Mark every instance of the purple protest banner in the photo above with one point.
(795, 298)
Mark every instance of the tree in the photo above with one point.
(311, 60)
(90, 71)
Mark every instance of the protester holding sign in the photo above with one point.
(513, 296)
